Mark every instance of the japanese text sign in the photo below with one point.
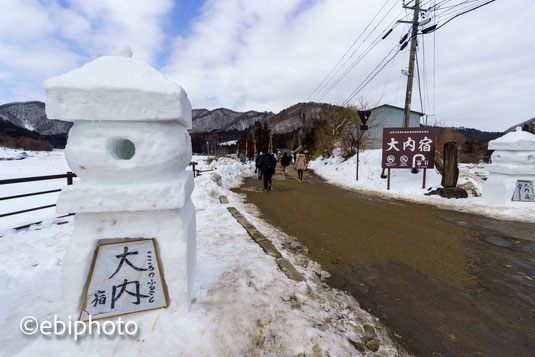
(405, 148)
(125, 278)
(523, 191)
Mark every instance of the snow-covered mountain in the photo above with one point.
(32, 116)
(529, 122)
(223, 119)
(294, 117)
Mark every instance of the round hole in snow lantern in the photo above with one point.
(122, 149)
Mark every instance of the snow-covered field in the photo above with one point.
(408, 186)
(243, 305)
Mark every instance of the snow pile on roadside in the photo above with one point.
(408, 186)
(243, 305)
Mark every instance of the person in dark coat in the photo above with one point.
(267, 166)
(257, 165)
(285, 161)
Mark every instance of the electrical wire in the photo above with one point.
(419, 84)
(464, 12)
(359, 58)
(371, 76)
(349, 49)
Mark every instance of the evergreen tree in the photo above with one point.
(265, 136)
(250, 148)
(241, 143)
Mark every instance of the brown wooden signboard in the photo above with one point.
(405, 148)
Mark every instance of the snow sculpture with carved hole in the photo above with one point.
(129, 147)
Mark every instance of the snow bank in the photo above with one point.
(243, 304)
(407, 186)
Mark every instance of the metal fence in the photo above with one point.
(69, 176)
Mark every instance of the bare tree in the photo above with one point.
(353, 137)
(339, 128)
(331, 122)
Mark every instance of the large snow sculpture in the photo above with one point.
(512, 172)
(129, 146)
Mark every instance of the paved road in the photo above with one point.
(444, 282)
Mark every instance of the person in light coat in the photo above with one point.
(300, 164)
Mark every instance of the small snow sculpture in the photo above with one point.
(130, 147)
(512, 172)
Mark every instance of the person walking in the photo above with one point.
(285, 161)
(257, 165)
(300, 164)
(267, 166)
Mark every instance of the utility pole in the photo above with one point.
(414, 42)
(302, 118)
(270, 149)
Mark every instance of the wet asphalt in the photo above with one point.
(445, 283)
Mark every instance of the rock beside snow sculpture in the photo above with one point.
(130, 147)
(512, 172)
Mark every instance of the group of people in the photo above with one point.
(266, 163)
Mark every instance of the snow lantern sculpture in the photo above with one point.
(512, 172)
(130, 147)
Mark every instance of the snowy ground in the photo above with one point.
(243, 305)
(408, 186)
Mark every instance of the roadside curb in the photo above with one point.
(268, 247)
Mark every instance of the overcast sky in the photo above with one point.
(268, 55)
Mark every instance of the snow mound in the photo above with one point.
(407, 186)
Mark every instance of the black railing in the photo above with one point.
(69, 176)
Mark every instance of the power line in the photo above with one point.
(424, 74)
(387, 78)
(349, 49)
(330, 85)
(367, 80)
(419, 84)
(465, 12)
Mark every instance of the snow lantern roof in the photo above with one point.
(516, 141)
(116, 88)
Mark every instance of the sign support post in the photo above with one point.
(388, 180)
(364, 116)
(423, 184)
(358, 150)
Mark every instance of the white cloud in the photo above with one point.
(39, 39)
(269, 55)
(137, 23)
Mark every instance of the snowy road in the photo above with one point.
(443, 281)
